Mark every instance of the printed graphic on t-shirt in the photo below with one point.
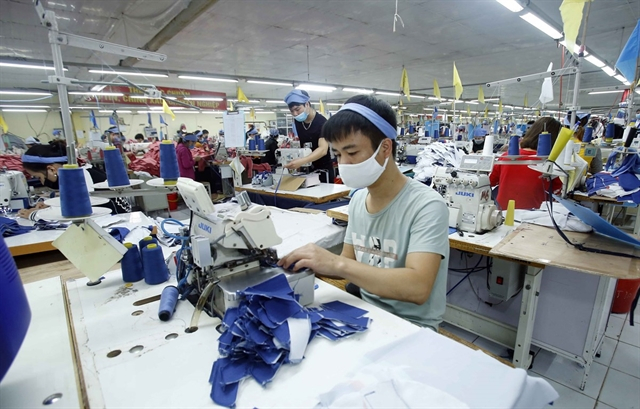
(381, 252)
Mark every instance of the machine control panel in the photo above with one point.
(477, 163)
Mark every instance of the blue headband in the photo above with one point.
(385, 127)
(41, 159)
(297, 97)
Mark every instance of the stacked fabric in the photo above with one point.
(150, 162)
(270, 328)
(435, 155)
(623, 186)
(10, 227)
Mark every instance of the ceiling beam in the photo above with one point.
(182, 20)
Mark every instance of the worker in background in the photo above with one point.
(396, 247)
(139, 138)
(186, 161)
(479, 135)
(519, 182)
(31, 141)
(250, 131)
(271, 145)
(308, 125)
(220, 154)
(582, 119)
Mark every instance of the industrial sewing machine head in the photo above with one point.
(286, 155)
(467, 192)
(14, 191)
(229, 249)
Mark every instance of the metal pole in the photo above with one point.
(62, 95)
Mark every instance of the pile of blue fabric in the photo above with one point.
(270, 328)
(621, 181)
(10, 227)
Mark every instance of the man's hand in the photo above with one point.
(311, 256)
(25, 213)
(295, 164)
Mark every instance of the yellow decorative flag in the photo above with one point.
(252, 113)
(537, 113)
(468, 110)
(3, 124)
(229, 106)
(322, 108)
(526, 100)
(571, 12)
(457, 83)
(167, 110)
(500, 106)
(480, 94)
(404, 84)
(241, 96)
(486, 110)
(436, 89)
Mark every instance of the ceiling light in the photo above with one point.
(188, 112)
(512, 5)
(100, 94)
(576, 48)
(264, 112)
(358, 90)
(595, 61)
(274, 101)
(159, 108)
(24, 110)
(541, 25)
(191, 77)
(491, 99)
(393, 94)
(202, 99)
(417, 96)
(25, 93)
(434, 98)
(86, 107)
(620, 78)
(117, 110)
(131, 73)
(609, 71)
(614, 91)
(334, 104)
(428, 109)
(313, 87)
(471, 102)
(30, 66)
(284, 84)
(26, 106)
(284, 110)
(627, 83)
(212, 112)
(98, 88)
(139, 96)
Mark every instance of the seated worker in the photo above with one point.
(220, 153)
(396, 247)
(271, 145)
(478, 139)
(139, 138)
(31, 141)
(582, 119)
(186, 161)
(43, 162)
(519, 182)
(309, 127)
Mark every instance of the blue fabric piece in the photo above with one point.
(296, 97)
(385, 127)
(10, 227)
(162, 121)
(344, 308)
(119, 233)
(264, 373)
(92, 117)
(48, 225)
(599, 181)
(628, 181)
(628, 58)
(224, 395)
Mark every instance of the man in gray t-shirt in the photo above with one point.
(396, 247)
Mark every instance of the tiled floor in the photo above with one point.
(614, 379)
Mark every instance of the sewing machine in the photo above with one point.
(228, 250)
(411, 152)
(467, 192)
(286, 155)
(13, 191)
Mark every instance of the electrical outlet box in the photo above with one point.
(506, 279)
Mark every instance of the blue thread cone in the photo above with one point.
(610, 133)
(116, 172)
(168, 301)
(146, 241)
(74, 195)
(131, 264)
(544, 144)
(15, 314)
(260, 144)
(168, 163)
(155, 269)
(588, 134)
(514, 146)
(252, 144)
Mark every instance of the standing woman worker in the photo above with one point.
(309, 127)
(186, 161)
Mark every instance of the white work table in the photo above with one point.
(322, 193)
(38, 241)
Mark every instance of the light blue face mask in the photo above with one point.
(302, 117)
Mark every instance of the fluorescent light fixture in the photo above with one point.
(284, 84)
(491, 99)
(159, 108)
(393, 94)
(334, 104)
(595, 61)
(191, 77)
(98, 88)
(576, 48)
(613, 91)
(609, 71)
(627, 83)
(28, 66)
(26, 106)
(512, 5)
(434, 98)
(211, 112)
(471, 102)
(620, 78)
(274, 101)
(202, 99)
(147, 112)
(541, 25)
(358, 90)
(314, 87)
(24, 110)
(264, 112)
(284, 110)
(99, 94)
(428, 109)
(130, 73)
(25, 93)
(86, 107)
(117, 110)
(417, 96)
(456, 101)
(188, 112)
(251, 101)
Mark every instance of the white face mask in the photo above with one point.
(363, 174)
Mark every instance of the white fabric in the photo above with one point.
(565, 220)
(434, 155)
(297, 229)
